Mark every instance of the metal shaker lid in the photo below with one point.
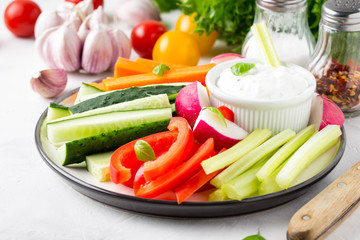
(282, 5)
(342, 15)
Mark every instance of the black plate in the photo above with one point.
(171, 208)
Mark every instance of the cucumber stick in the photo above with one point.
(156, 101)
(77, 128)
(77, 150)
(98, 165)
(309, 151)
(85, 90)
(252, 157)
(56, 111)
(124, 95)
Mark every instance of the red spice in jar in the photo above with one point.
(340, 83)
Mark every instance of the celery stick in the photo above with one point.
(224, 159)
(243, 185)
(284, 152)
(218, 195)
(269, 185)
(265, 44)
(310, 150)
(251, 158)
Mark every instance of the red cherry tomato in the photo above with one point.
(144, 37)
(96, 3)
(20, 17)
(227, 113)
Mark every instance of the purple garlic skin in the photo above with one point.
(49, 83)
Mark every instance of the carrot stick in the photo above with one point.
(186, 74)
(126, 67)
(97, 85)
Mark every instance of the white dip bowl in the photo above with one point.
(275, 114)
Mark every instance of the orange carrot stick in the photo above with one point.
(186, 74)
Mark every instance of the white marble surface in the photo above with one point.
(35, 203)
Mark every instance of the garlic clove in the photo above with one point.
(92, 21)
(134, 12)
(49, 83)
(121, 44)
(86, 7)
(97, 52)
(62, 49)
(46, 20)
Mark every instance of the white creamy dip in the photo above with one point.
(263, 82)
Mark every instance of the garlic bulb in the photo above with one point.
(134, 12)
(121, 44)
(49, 83)
(97, 52)
(61, 47)
(46, 20)
(92, 21)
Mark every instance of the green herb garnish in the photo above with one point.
(143, 151)
(217, 111)
(254, 237)
(241, 68)
(160, 69)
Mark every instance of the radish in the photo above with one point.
(325, 112)
(190, 100)
(225, 57)
(210, 124)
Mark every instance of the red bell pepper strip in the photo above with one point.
(174, 177)
(194, 183)
(227, 113)
(124, 163)
(177, 153)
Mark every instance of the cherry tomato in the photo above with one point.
(144, 37)
(20, 17)
(177, 47)
(227, 113)
(96, 3)
(186, 23)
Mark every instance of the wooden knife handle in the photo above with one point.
(317, 218)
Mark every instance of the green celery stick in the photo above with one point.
(265, 44)
(269, 185)
(218, 195)
(284, 152)
(224, 159)
(252, 157)
(244, 185)
(310, 150)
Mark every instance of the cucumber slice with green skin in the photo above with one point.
(56, 111)
(98, 165)
(84, 90)
(76, 151)
(124, 95)
(59, 132)
(156, 101)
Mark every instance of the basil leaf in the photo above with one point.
(254, 237)
(217, 111)
(241, 68)
(143, 151)
(160, 69)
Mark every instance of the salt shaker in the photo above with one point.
(336, 59)
(288, 28)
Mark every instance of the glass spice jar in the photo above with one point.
(289, 30)
(336, 59)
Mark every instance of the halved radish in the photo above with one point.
(225, 57)
(325, 112)
(209, 124)
(190, 100)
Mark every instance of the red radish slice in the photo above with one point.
(190, 100)
(325, 112)
(209, 124)
(225, 57)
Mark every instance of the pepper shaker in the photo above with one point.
(336, 59)
(289, 30)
